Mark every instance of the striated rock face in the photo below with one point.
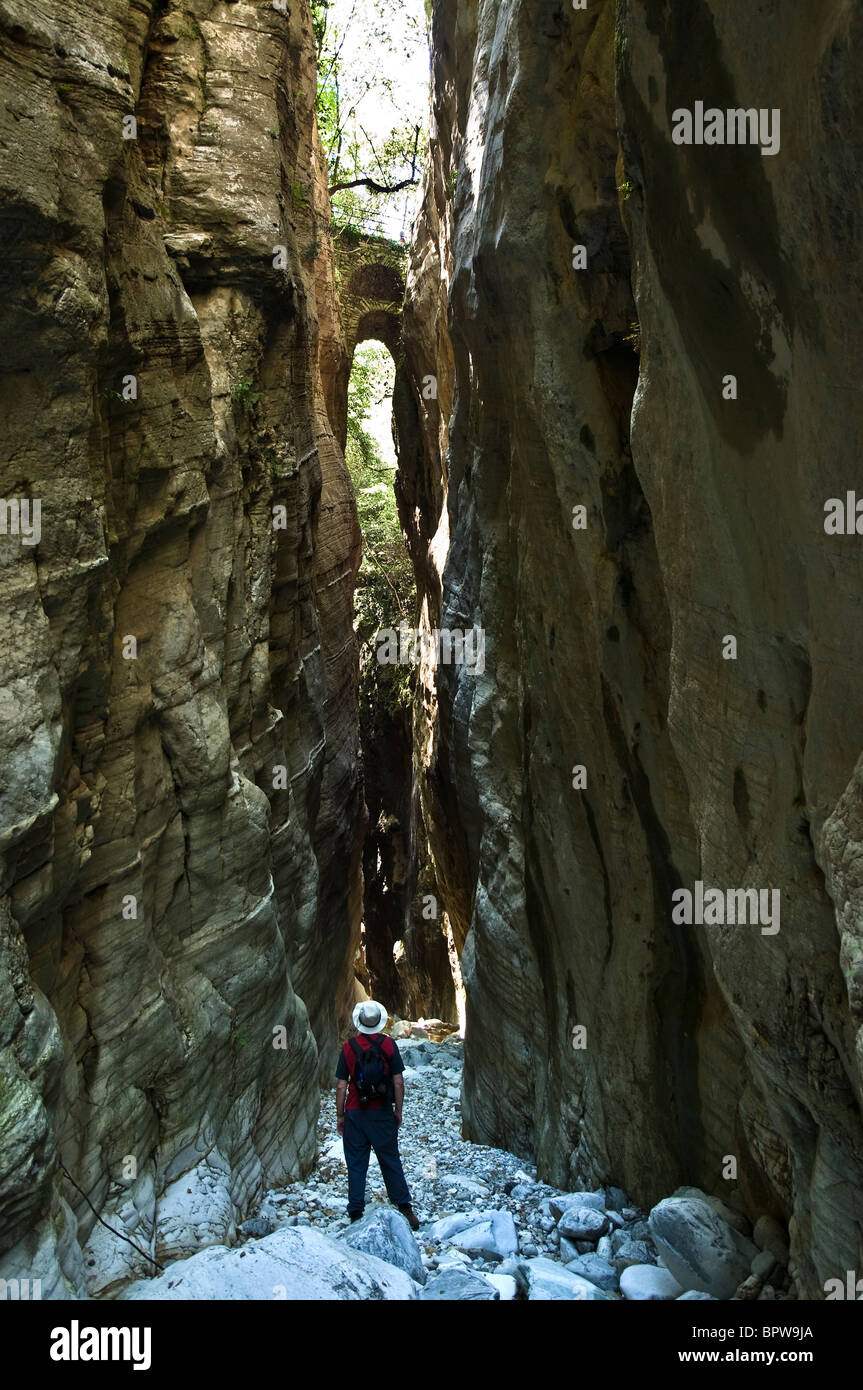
(602, 388)
(180, 807)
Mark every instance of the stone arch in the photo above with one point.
(377, 281)
(371, 287)
(380, 324)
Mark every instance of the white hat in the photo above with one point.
(370, 1017)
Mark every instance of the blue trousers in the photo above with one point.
(378, 1130)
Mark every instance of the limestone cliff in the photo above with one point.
(598, 380)
(180, 808)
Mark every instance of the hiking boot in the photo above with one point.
(355, 1216)
(410, 1215)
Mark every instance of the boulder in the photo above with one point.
(384, 1232)
(639, 1230)
(494, 1237)
(632, 1252)
(597, 1270)
(648, 1283)
(618, 1238)
(416, 1053)
(448, 1226)
(583, 1223)
(564, 1201)
(453, 1285)
(258, 1226)
(694, 1192)
(489, 1233)
(518, 1191)
(734, 1218)
(749, 1289)
(763, 1265)
(700, 1249)
(505, 1284)
(294, 1263)
(543, 1279)
(769, 1235)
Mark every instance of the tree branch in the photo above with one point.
(373, 185)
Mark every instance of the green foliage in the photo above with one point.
(627, 189)
(362, 49)
(242, 392)
(372, 376)
(385, 592)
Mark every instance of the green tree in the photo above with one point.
(385, 593)
(362, 46)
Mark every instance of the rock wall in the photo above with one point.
(598, 382)
(181, 810)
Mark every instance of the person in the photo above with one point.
(372, 1123)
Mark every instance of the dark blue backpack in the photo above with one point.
(371, 1071)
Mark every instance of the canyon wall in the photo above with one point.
(181, 811)
(605, 1038)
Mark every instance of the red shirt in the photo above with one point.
(347, 1066)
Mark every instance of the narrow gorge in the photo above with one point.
(626, 412)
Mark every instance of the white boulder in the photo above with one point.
(544, 1279)
(384, 1232)
(292, 1264)
(648, 1283)
(488, 1233)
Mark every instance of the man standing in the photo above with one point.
(371, 1115)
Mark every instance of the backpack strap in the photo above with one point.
(353, 1050)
